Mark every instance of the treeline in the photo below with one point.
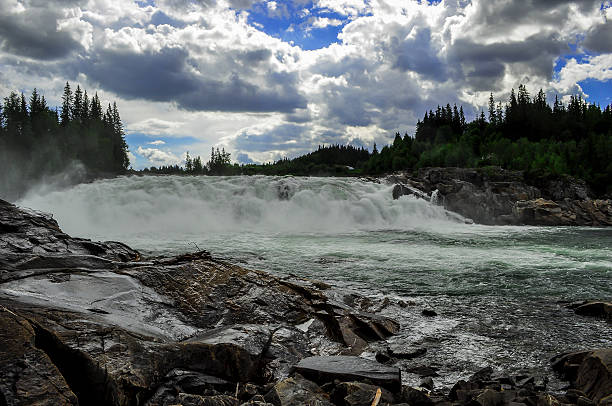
(525, 133)
(38, 141)
(333, 160)
(219, 164)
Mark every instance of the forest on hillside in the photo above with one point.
(523, 133)
(37, 141)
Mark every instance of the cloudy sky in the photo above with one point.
(266, 79)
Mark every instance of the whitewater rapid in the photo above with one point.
(499, 291)
(175, 204)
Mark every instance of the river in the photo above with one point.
(500, 292)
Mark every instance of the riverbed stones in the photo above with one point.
(589, 372)
(595, 309)
(323, 369)
(105, 326)
(594, 376)
(497, 196)
(415, 397)
(93, 323)
(359, 394)
(297, 391)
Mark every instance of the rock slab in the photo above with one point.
(323, 369)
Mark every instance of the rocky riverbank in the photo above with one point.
(94, 323)
(501, 197)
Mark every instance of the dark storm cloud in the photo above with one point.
(156, 76)
(33, 33)
(599, 38)
(418, 55)
(502, 15)
(165, 76)
(236, 95)
(482, 66)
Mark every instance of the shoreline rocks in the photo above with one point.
(501, 197)
(94, 323)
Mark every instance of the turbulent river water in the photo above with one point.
(499, 292)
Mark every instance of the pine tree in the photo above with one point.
(85, 108)
(120, 152)
(95, 109)
(492, 112)
(77, 109)
(188, 163)
(66, 106)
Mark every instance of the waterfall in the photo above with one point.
(436, 199)
(204, 204)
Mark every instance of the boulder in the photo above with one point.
(415, 397)
(402, 352)
(541, 212)
(323, 369)
(590, 372)
(594, 376)
(297, 391)
(490, 397)
(427, 383)
(400, 190)
(358, 394)
(595, 309)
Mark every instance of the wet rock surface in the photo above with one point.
(347, 368)
(498, 196)
(594, 308)
(91, 323)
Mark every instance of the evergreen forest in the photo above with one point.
(525, 133)
(38, 142)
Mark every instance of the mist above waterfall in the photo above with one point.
(202, 205)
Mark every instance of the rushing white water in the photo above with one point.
(180, 205)
(496, 289)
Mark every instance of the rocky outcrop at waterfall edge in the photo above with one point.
(503, 197)
(94, 323)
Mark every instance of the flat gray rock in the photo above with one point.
(347, 368)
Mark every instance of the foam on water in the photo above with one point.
(211, 204)
(496, 289)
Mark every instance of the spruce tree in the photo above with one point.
(66, 106)
(77, 109)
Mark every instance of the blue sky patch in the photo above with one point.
(304, 25)
(598, 91)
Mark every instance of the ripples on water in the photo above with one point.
(497, 290)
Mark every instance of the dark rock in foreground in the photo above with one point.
(589, 372)
(102, 325)
(91, 323)
(595, 309)
(345, 368)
